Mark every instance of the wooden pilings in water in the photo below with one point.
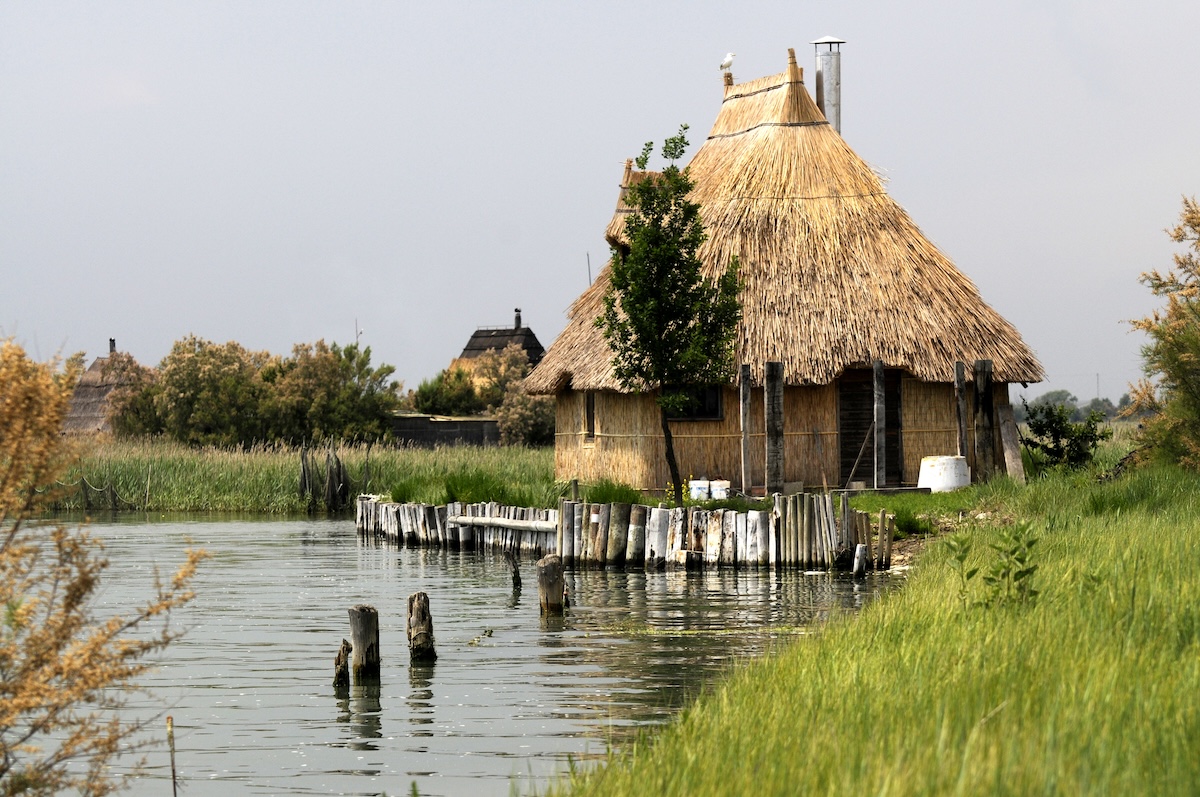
(551, 585)
(359, 657)
(420, 629)
(805, 530)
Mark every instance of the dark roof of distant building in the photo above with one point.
(487, 338)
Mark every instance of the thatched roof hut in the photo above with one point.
(836, 274)
(88, 413)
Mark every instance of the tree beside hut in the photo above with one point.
(835, 277)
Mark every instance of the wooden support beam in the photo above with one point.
(985, 422)
(773, 407)
(744, 387)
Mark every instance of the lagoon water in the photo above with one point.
(512, 701)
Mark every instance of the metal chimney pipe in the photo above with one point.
(112, 345)
(829, 79)
(517, 321)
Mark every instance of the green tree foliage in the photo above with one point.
(1059, 440)
(210, 394)
(523, 419)
(668, 326)
(65, 674)
(327, 391)
(451, 392)
(131, 405)
(204, 393)
(1169, 395)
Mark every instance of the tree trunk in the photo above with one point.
(672, 465)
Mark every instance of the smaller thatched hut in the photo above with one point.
(88, 413)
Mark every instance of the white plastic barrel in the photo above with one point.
(944, 474)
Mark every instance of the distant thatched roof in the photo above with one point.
(89, 402)
(835, 273)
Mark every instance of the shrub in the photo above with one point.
(1062, 442)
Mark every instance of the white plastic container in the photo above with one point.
(944, 474)
(719, 489)
(698, 489)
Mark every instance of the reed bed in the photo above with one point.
(1087, 688)
(162, 476)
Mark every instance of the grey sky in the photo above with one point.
(271, 172)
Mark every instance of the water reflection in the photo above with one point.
(361, 709)
(420, 698)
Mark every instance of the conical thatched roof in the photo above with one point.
(835, 273)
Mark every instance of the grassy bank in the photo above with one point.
(161, 476)
(1088, 688)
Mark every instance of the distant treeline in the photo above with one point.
(204, 393)
(1078, 412)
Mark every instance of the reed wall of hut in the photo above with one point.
(627, 444)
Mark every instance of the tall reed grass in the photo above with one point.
(1091, 688)
(162, 476)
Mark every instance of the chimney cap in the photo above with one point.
(829, 41)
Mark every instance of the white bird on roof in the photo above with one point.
(728, 62)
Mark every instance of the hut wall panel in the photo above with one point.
(629, 440)
(929, 425)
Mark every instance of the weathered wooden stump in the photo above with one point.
(341, 665)
(420, 628)
(550, 584)
(860, 560)
(364, 642)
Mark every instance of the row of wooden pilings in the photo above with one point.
(805, 530)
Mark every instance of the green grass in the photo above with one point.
(161, 476)
(1089, 689)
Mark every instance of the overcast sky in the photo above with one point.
(279, 172)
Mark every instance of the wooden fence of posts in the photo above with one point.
(805, 530)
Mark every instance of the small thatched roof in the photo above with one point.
(89, 403)
(835, 274)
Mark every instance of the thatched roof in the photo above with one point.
(89, 403)
(835, 273)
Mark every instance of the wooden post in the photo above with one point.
(618, 535)
(364, 643)
(763, 533)
(773, 407)
(574, 489)
(602, 512)
(1010, 441)
(985, 421)
(635, 544)
(567, 524)
(860, 561)
(960, 401)
(727, 553)
(778, 510)
(883, 531)
(806, 554)
(657, 531)
(744, 385)
(341, 664)
(550, 585)
(578, 525)
(887, 548)
(420, 628)
(880, 427)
